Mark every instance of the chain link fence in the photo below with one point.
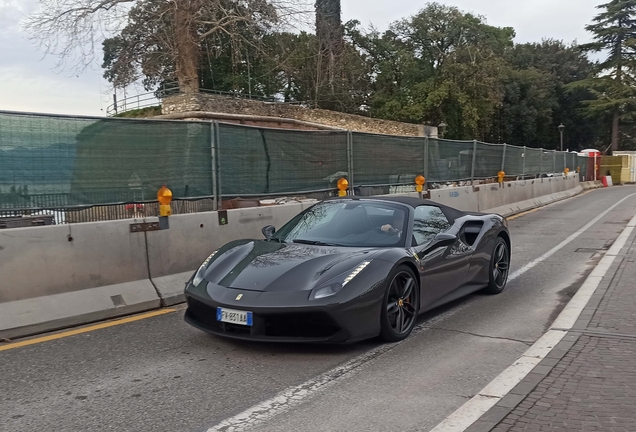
(80, 166)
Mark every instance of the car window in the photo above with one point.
(353, 223)
(428, 221)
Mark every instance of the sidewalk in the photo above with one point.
(588, 381)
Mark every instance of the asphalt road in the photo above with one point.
(159, 374)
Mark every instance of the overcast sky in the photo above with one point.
(28, 82)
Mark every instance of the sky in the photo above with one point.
(30, 81)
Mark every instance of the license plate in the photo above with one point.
(234, 316)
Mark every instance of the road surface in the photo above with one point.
(159, 374)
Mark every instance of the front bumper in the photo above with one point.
(283, 317)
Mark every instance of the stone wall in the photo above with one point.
(260, 113)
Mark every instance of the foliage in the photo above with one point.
(439, 65)
(146, 112)
(537, 98)
(614, 85)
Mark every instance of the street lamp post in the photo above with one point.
(561, 129)
(441, 128)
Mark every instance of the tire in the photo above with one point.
(399, 308)
(499, 268)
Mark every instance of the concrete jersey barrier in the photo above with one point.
(58, 276)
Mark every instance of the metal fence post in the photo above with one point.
(217, 141)
(541, 162)
(472, 169)
(523, 169)
(503, 157)
(554, 162)
(565, 160)
(350, 160)
(213, 162)
(426, 159)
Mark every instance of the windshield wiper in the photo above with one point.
(315, 242)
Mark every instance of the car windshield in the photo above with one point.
(348, 223)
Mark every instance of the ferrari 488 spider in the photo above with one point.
(348, 269)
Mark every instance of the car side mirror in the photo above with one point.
(268, 231)
(440, 240)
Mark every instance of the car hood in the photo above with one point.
(272, 266)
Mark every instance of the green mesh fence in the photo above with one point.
(573, 163)
(449, 160)
(386, 160)
(58, 162)
(259, 161)
(582, 162)
(514, 161)
(559, 162)
(489, 160)
(532, 160)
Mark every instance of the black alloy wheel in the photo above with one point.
(399, 312)
(499, 268)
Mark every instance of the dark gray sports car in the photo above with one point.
(348, 269)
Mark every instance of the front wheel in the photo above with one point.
(499, 267)
(400, 306)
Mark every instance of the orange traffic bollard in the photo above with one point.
(420, 180)
(164, 196)
(343, 185)
(500, 176)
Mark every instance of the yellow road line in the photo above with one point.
(116, 322)
(518, 215)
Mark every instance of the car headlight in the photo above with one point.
(337, 284)
(198, 277)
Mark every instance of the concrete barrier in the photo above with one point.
(592, 185)
(462, 198)
(43, 270)
(519, 207)
(493, 195)
(58, 311)
(57, 276)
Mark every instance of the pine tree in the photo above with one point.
(614, 32)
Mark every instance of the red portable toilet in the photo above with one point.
(594, 162)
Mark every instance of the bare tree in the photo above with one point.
(71, 29)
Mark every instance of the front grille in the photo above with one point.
(310, 324)
(204, 314)
(291, 325)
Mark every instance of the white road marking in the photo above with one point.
(565, 242)
(488, 397)
(294, 396)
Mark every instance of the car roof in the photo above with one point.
(450, 212)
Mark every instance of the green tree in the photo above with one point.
(440, 64)
(614, 32)
(536, 99)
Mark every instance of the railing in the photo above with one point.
(145, 100)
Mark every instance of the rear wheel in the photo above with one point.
(499, 267)
(400, 306)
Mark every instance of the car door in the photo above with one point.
(444, 268)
